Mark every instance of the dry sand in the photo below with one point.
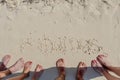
(45, 30)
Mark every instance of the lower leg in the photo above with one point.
(81, 71)
(38, 72)
(79, 78)
(60, 77)
(99, 68)
(25, 73)
(17, 66)
(116, 70)
(105, 61)
(60, 65)
(5, 73)
(20, 77)
(109, 76)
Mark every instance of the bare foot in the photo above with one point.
(103, 59)
(6, 59)
(38, 71)
(98, 67)
(17, 66)
(27, 67)
(82, 68)
(61, 66)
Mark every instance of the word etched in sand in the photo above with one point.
(61, 45)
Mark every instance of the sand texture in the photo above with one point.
(46, 30)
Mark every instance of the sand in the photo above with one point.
(45, 30)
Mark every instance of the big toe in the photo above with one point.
(60, 63)
(27, 66)
(38, 68)
(81, 65)
(93, 63)
(102, 59)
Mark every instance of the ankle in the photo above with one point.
(62, 75)
(26, 74)
(34, 78)
(79, 77)
(2, 67)
(115, 68)
(104, 72)
(7, 72)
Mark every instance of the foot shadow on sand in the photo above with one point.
(52, 73)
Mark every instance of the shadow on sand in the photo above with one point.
(52, 73)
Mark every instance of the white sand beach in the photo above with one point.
(45, 30)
